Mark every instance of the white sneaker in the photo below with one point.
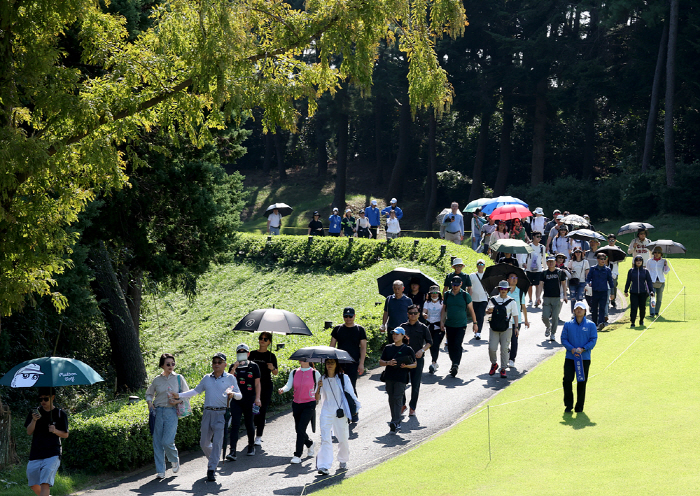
(436, 366)
(311, 450)
(258, 441)
(343, 465)
(324, 471)
(176, 467)
(511, 363)
(160, 475)
(295, 460)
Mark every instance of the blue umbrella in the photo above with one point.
(499, 202)
(50, 372)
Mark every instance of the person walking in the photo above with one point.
(420, 340)
(374, 217)
(274, 222)
(615, 270)
(516, 294)
(316, 226)
(395, 309)
(165, 427)
(47, 424)
(348, 225)
(550, 224)
(352, 338)
(554, 289)
(458, 271)
(534, 265)
(305, 382)
(639, 244)
(476, 225)
(562, 244)
(416, 295)
(217, 387)
(393, 228)
(504, 320)
(638, 288)
(457, 312)
(599, 278)
(334, 223)
(579, 337)
(501, 232)
(486, 231)
(553, 231)
(432, 308)
(248, 376)
(480, 299)
(538, 222)
(578, 268)
(335, 416)
(454, 225)
(363, 226)
(392, 208)
(398, 358)
(267, 363)
(658, 268)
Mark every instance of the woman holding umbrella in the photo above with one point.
(637, 288)
(398, 358)
(165, 427)
(267, 363)
(500, 233)
(658, 268)
(639, 244)
(578, 268)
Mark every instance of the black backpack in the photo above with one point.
(499, 317)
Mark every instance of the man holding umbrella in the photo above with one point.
(47, 425)
(274, 222)
(395, 309)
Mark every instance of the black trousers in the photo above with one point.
(303, 413)
(569, 377)
(480, 313)
(437, 335)
(373, 230)
(455, 336)
(350, 370)
(638, 301)
(265, 399)
(514, 344)
(243, 407)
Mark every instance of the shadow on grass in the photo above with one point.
(577, 422)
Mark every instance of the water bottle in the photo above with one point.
(256, 409)
(228, 391)
(653, 302)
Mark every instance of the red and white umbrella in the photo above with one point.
(512, 211)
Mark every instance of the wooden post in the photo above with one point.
(443, 249)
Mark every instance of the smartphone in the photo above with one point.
(37, 410)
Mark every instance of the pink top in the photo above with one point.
(304, 390)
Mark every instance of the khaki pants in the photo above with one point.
(456, 238)
(502, 338)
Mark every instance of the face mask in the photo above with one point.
(241, 357)
(434, 298)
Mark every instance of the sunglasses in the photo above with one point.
(263, 338)
(169, 364)
(348, 316)
(480, 264)
(602, 258)
(503, 289)
(412, 313)
(43, 398)
(218, 362)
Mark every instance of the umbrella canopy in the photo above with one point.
(575, 220)
(444, 212)
(585, 235)
(320, 353)
(385, 283)
(511, 211)
(633, 227)
(473, 205)
(273, 320)
(497, 273)
(283, 208)
(613, 252)
(667, 246)
(512, 246)
(499, 202)
(50, 372)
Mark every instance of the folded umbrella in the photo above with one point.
(499, 202)
(273, 320)
(512, 246)
(283, 209)
(385, 283)
(320, 353)
(511, 211)
(227, 419)
(633, 227)
(585, 235)
(613, 252)
(575, 220)
(667, 246)
(50, 372)
(499, 272)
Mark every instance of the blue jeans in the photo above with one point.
(164, 437)
(598, 303)
(659, 293)
(576, 293)
(475, 243)
(274, 231)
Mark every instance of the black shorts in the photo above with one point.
(535, 277)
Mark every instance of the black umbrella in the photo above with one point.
(273, 320)
(613, 252)
(667, 246)
(585, 235)
(386, 282)
(499, 272)
(633, 227)
(283, 209)
(320, 353)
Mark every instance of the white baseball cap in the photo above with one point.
(393, 200)
(335, 209)
(581, 304)
(374, 202)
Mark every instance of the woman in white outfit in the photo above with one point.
(638, 246)
(335, 415)
(658, 268)
(392, 226)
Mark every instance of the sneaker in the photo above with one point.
(431, 369)
(211, 477)
(311, 450)
(641, 323)
(551, 338)
(324, 471)
(477, 336)
(494, 368)
(403, 409)
(398, 427)
(546, 332)
(295, 460)
(392, 427)
(411, 413)
(613, 304)
(231, 457)
(567, 410)
(600, 326)
(343, 465)
(632, 324)
(437, 366)
(251, 450)
(503, 373)
(176, 467)
(511, 363)
(160, 475)
(453, 370)
(258, 441)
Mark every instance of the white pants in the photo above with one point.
(340, 427)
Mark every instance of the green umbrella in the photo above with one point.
(473, 205)
(511, 246)
(50, 372)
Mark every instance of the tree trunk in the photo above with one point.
(589, 117)
(133, 298)
(398, 174)
(279, 151)
(342, 160)
(126, 353)
(539, 132)
(670, 90)
(476, 189)
(321, 152)
(267, 162)
(431, 183)
(378, 144)
(654, 104)
(506, 145)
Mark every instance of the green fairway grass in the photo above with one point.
(639, 434)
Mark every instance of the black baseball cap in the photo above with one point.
(219, 355)
(348, 312)
(456, 281)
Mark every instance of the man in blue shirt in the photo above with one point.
(373, 216)
(335, 220)
(600, 279)
(454, 225)
(579, 336)
(395, 310)
(392, 206)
